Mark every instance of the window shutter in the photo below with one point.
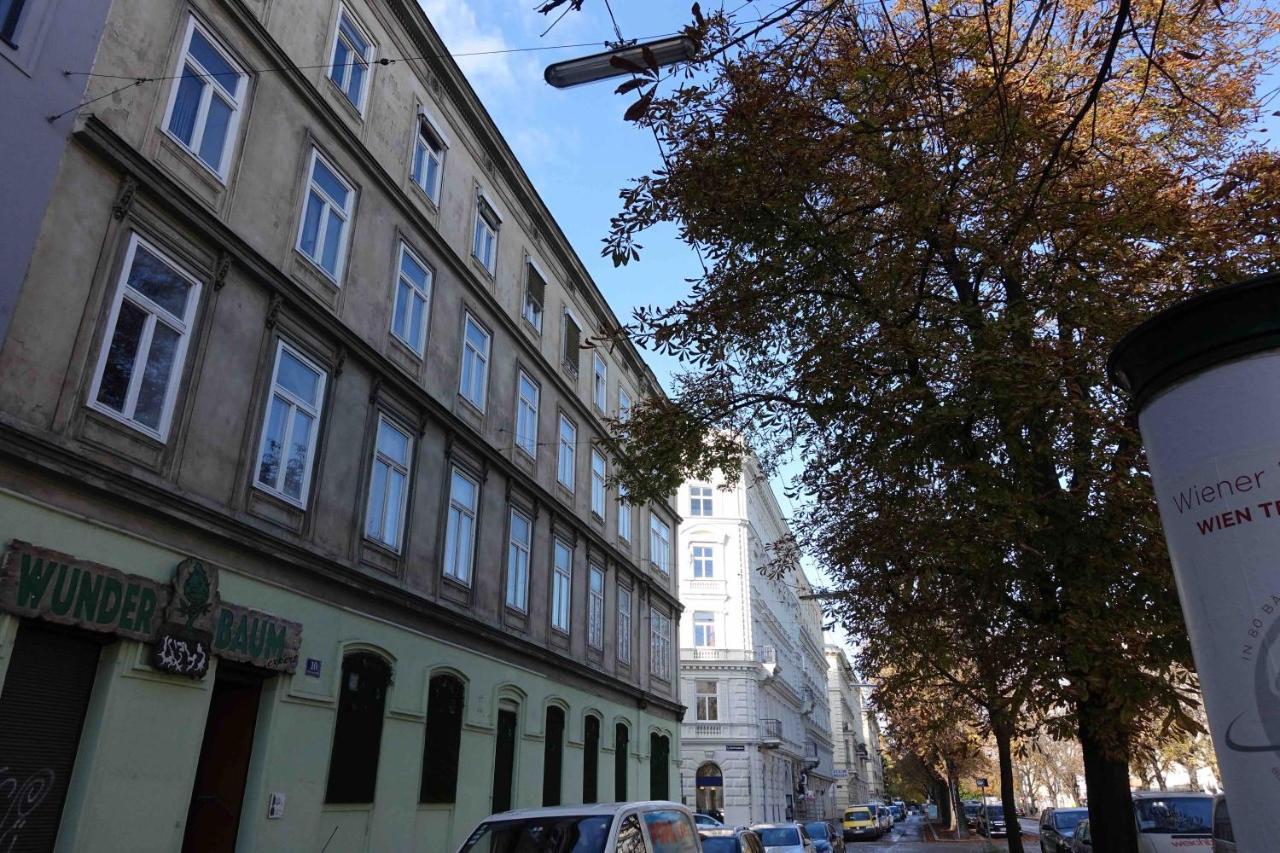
(572, 343)
(537, 287)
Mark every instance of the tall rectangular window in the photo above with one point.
(561, 583)
(567, 460)
(428, 158)
(703, 562)
(519, 546)
(595, 609)
(287, 453)
(624, 624)
(699, 500)
(484, 244)
(460, 527)
(206, 100)
(413, 301)
(145, 343)
(528, 395)
(599, 381)
(571, 344)
(535, 296)
(624, 404)
(659, 644)
(10, 18)
(590, 758)
(388, 485)
(322, 234)
(552, 756)
(624, 514)
(352, 55)
(598, 478)
(707, 700)
(504, 758)
(704, 629)
(445, 705)
(474, 382)
(357, 734)
(660, 544)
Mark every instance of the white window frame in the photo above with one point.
(329, 204)
(706, 569)
(595, 607)
(519, 555)
(660, 533)
(425, 295)
(369, 63)
(624, 624)
(561, 586)
(272, 391)
(599, 477)
(624, 515)
(481, 358)
(492, 226)
(393, 465)
(534, 318)
(702, 619)
(706, 705)
(155, 314)
(567, 445)
(624, 404)
(599, 382)
(527, 414)
(659, 644)
(428, 143)
(235, 99)
(700, 501)
(453, 569)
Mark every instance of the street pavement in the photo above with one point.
(909, 837)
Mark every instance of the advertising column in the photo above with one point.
(1205, 376)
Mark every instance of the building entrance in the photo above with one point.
(710, 782)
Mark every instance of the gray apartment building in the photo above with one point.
(308, 539)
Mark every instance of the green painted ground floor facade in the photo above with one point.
(313, 723)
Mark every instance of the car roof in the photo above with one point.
(1164, 795)
(586, 810)
(773, 825)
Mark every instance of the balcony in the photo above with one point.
(703, 730)
(708, 653)
(771, 733)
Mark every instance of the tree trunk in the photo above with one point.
(1008, 801)
(1156, 774)
(957, 807)
(1106, 775)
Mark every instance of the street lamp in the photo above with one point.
(601, 66)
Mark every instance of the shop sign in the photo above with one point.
(736, 747)
(186, 622)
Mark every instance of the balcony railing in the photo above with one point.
(718, 731)
(771, 732)
(709, 653)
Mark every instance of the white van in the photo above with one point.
(649, 827)
(1173, 821)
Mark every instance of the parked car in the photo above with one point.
(1224, 837)
(1057, 826)
(726, 840)
(861, 822)
(824, 836)
(885, 816)
(783, 838)
(992, 822)
(1169, 821)
(971, 812)
(899, 812)
(599, 828)
(703, 819)
(1082, 839)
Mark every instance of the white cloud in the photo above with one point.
(462, 31)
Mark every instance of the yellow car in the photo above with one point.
(860, 822)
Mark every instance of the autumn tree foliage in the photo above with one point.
(924, 225)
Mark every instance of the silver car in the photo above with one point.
(784, 837)
(601, 828)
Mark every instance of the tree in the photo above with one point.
(924, 227)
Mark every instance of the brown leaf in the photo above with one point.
(629, 86)
(627, 64)
(637, 110)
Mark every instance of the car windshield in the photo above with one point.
(1168, 815)
(816, 830)
(995, 813)
(550, 834)
(972, 808)
(1066, 822)
(781, 836)
(720, 844)
(857, 814)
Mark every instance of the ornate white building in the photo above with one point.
(859, 770)
(756, 739)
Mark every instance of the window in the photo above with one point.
(598, 473)
(621, 743)
(624, 514)
(475, 363)
(590, 759)
(504, 757)
(10, 17)
(413, 301)
(660, 544)
(145, 343)
(460, 527)
(561, 581)
(624, 624)
(571, 345)
(552, 756)
(659, 644)
(528, 394)
(595, 609)
(352, 54)
(568, 446)
(624, 404)
(706, 700)
(428, 158)
(292, 422)
(207, 97)
(519, 545)
(388, 485)
(659, 767)
(357, 735)
(704, 628)
(703, 563)
(485, 245)
(699, 500)
(535, 296)
(322, 234)
(445, 702)
(599, 381)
